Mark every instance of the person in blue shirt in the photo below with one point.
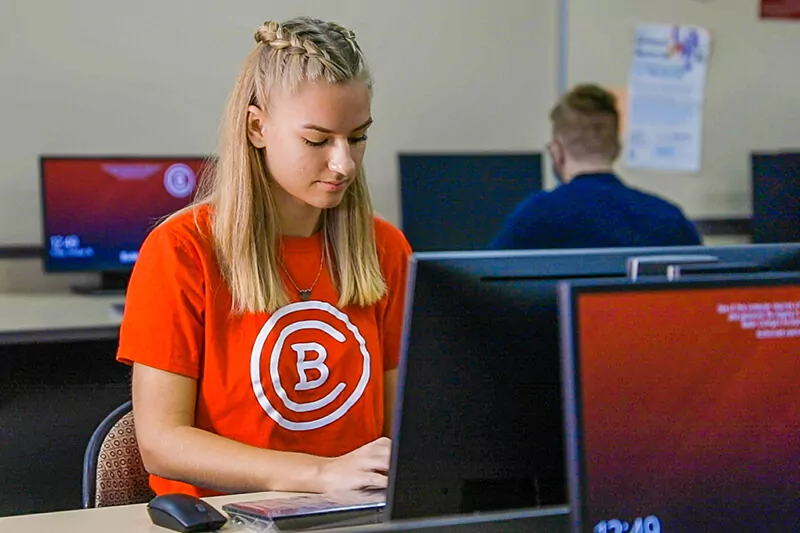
(591, 207)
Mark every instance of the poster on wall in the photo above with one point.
(666, 92)
(780, 9)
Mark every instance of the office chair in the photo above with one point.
(113, 471)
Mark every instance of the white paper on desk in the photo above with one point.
(666, 92)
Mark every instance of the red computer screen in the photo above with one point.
(98, 211)
(690, 409)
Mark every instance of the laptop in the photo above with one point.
(681, 404)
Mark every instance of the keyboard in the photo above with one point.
(329, 520)
(312, 511)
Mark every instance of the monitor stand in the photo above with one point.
(111, 284)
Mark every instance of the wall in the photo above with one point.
(751, 98)
(151, 77)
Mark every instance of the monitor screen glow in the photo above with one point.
(688, 402)
(97, 211)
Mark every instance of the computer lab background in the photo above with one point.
(91, 77)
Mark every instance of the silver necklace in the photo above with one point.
(305, 294)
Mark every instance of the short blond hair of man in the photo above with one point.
(586, 123)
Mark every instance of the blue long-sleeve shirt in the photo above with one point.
(595, 211)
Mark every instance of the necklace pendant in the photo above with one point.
(305, 294)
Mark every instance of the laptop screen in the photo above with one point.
(683, 406)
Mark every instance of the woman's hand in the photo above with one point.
(366, 467)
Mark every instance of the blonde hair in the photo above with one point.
(586, 122)
(245, 227)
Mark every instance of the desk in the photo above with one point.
(134, 519)
(57, 317)
(120, 519)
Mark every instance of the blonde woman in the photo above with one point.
(263, 323)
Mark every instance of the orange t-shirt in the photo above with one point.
(307, 378)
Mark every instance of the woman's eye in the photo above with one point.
(351, 140)
(317, 144)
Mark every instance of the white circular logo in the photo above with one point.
(317, 364)
(179, 180)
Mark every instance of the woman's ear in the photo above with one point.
(256, 120)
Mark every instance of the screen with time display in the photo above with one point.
(682, 403)
(98, 210)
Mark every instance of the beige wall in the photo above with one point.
(451, 75)
(751, 98)
(151, 77)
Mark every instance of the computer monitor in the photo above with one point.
(681, 404)
(456, 202)
(478, 422)
(96, 211)
(776, 197)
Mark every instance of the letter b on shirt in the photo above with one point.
(306, 366)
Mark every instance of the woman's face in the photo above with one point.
(315, 140)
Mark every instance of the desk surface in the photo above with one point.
(38, 317)
(134, 519)
(120, 519)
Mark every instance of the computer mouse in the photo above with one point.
(183, 512)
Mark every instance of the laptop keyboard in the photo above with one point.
(313, 511)
(337, 519)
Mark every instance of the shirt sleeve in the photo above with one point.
(530, 233)
(398, 254)
(692, 234)
(163, 321)
(525, 228)
(504, 240)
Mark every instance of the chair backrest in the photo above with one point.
(113, 471)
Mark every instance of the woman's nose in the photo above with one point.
(341, 161)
